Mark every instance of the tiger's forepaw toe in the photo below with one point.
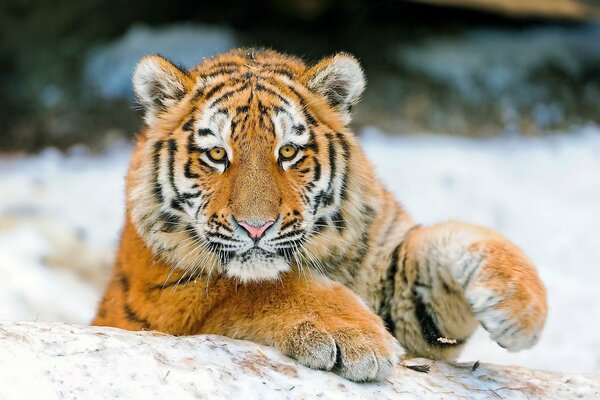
(511, 333)
(507, 296)
(365, 356)
(514, 318)
(356, 354)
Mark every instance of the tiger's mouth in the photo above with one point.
(252, 259)
(255, 265)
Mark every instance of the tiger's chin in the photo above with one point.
(256, 265)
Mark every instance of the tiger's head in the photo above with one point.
(242, 160)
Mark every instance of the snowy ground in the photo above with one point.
(60, 217)
(72, 362)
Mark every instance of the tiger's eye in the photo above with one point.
(217, 154)
(287, 152)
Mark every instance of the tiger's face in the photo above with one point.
(243, 159)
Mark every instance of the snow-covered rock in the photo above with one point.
(58, 361)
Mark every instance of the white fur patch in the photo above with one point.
(256, 267)
(156, 84)
(341, 81)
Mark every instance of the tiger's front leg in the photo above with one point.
(451, 277)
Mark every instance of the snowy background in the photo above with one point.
(60, 217)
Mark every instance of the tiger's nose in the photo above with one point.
(255, 229)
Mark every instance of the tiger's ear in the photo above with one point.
(340, 79)
(159, 85)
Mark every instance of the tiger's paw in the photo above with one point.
(357, 353)
(507, 296)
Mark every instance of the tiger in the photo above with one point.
(253, 213)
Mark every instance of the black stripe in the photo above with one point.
(170, 221)
(123, 279)
(199, 93)
(191, 146)
(214, 90)
(317, 176)
(224, 64)
(217, 72)
(221, 236)
(385, 307)
(156, 167)
(283, 72)
(288, 243)
(298, 129)
(312, 143)
(287, 224)
(172, 150)
(319, 225)
(190, 195)
(329, 197)
(423, 313)
(346, 157)
(228, 94)
(338, 221)
(176, 204)
(189, 125)
(205, 132)
(303, 106)
(262, 88)
(187, 170)
(124, 282)
(299, 163)
(430, 331)
(287, 235)
(134, 317)
(222, 226)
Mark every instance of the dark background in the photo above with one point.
(44, 47)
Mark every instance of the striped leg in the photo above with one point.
(451, 277)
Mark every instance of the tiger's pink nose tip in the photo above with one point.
(256, 229)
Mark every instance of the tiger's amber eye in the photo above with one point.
(287, 152)
(217, 154)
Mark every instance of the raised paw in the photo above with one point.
(507, 296)
(355, 351)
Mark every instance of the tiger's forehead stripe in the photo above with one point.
(241, 88)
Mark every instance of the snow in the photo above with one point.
(60, 217)
(70, 362)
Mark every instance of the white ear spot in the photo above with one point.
(341, 80)
(158, 85)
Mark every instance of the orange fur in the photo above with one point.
(185, 265)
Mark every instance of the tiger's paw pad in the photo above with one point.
(357, 355)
